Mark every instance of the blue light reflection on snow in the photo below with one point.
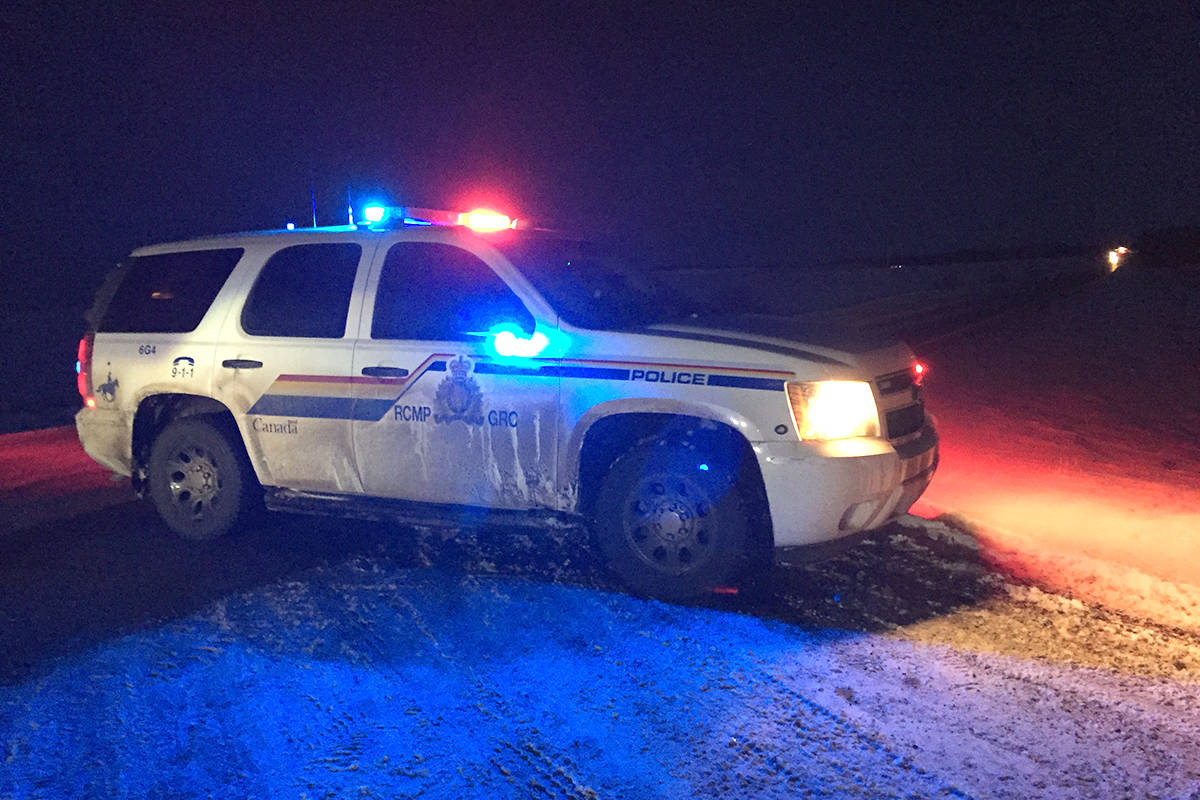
(413, 682)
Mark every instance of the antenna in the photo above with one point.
(349, 206)
(312, 193)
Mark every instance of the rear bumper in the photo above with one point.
(820, 492)
(105, 436)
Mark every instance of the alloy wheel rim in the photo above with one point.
(668, 524)
(194, 480)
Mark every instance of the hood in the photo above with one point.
(788, 335)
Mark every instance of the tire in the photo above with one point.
(670, 518)
(200, 481)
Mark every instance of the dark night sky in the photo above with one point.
(703, 135)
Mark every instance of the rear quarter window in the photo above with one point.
(166, 293)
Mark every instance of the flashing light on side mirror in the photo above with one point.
(510, 345)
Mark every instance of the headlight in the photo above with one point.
(833, 409)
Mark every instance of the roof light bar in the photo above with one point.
(480, 219)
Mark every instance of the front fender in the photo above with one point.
(570, 456)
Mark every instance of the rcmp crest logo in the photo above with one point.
(458, 396)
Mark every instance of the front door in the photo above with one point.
(439, 416)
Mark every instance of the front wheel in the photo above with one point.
(198, 480)
(670, 520)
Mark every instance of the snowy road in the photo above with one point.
(316, 658)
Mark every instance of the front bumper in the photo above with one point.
(819, 492)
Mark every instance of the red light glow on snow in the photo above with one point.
(1042, 509)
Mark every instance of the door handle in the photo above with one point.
(385, 372)
(241, 363)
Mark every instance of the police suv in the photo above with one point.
(462, 364)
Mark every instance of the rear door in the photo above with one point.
(440, 416)
(284, 363)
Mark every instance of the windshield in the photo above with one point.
(588, 288)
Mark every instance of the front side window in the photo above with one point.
(429, 290)
(303, 291)
(589, 288)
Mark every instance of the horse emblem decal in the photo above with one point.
(108, 389)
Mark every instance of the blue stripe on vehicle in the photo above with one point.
(372, 410)
(553, 371)
(599, 373)
(738, 382)
(491, 368)
(295, 405)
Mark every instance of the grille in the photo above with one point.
(895, 382)
(904, 421)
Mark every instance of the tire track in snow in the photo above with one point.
(552, 770)
(788, 734)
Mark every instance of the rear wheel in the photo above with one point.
(199, 481)
(670, 519)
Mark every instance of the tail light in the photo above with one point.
(83, 370)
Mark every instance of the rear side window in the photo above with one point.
(167, 293)
(303, 291)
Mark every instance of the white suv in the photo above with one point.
(417, 364)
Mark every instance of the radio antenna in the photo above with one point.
(312, 195)
(349, 206)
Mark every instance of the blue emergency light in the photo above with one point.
(480, 219)
(510, 343)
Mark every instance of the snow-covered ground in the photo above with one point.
(494, 665)
(1071, 443)
(1040, 638)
